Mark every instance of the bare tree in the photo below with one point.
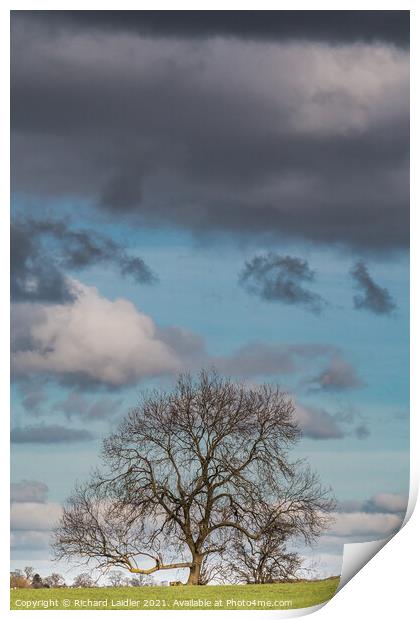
(266, 560)
(116, 578)
(83, 580)
(187, 470)
(214, 569)
(19, 580)
(140, 580)
(55, 580)
(29, 572)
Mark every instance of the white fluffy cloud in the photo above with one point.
(99, 340)
(364, 524)
(95, 339)
(389, 502)
(102, 340)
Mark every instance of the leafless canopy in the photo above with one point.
(189, 471)
(265, 560)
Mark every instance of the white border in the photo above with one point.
(386, 586)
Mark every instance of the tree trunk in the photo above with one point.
(195, 571)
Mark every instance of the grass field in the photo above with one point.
(270, 596)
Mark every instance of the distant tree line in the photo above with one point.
(28, 578)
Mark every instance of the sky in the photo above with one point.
(220, 190)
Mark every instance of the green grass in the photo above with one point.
(270, 596)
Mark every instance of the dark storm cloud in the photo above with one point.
(332, 26)
(32, 277)
(281, 278)
(372, 297)
(49, 434)
(41, 249)
(216, 134)
(84, 248)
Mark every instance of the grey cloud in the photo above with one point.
(77, 405)
(339, 375)
(381, 503)
(281, 278)
(362, 431)
(76, 343)
(332, 26)
(317, 423)
(33, 396)
(28, 491)
(123, 189)
(32, 517)
(29, 540)
(188, 346)
(257, 359)
(387, 503)
(356, 527)
(41, 346)
(350, 505)
(170, 351)
(23, 318)
(354, 422)
(31, 276)
(363, 526)
(137, 268)
(41, 249)
(191, 133)
(38, 517)
(372, 297)
(144, 349)
(82, 248)
(48, 434)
